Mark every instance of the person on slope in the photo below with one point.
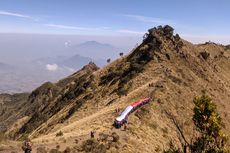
(27, 146)
(92, 134)
(125, 125)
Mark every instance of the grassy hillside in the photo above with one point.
(164, 66)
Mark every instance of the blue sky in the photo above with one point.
(195, 19)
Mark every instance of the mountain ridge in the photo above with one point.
(164, 66)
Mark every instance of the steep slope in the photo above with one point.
(9, 106)
(49, 99)
(164, 66)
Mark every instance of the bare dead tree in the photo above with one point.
(183, 140)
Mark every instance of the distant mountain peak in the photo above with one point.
(96, 50)
(93, 42)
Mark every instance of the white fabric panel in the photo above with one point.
(124, 113)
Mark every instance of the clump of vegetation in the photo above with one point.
(205, 55)
(115, 137)
(42, 150)
(227, 47)
(167, 56)
(92, 145)
(67, 150)
(102, 144)
(60, 133)
(103, 136)
(208, 124)
(153, 125)
(165, 130)
(121, 91)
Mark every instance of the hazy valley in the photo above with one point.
(23, 73)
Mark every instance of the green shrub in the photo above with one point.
(208, 123)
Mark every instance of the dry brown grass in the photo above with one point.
(175, 81)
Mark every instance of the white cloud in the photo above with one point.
(131, 32)
(52, 67)
(150, 19)
(19, 15)
(67, 43)
(68, 27)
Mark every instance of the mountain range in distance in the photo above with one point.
(89, 48)
(52, 68)
(90, 51)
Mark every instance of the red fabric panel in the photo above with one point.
(137, 103)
